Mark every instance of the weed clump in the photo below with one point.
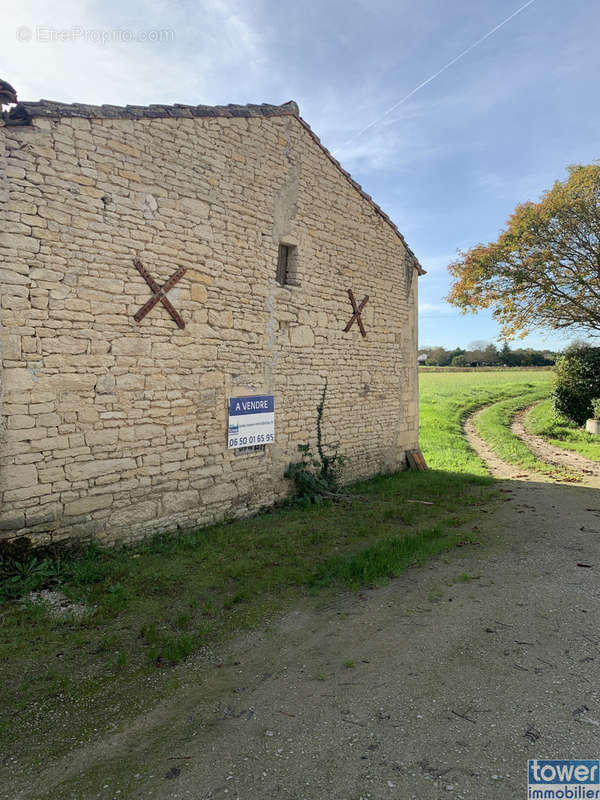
(25, 569)
(316, 477)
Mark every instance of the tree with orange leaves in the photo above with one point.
(544, 269)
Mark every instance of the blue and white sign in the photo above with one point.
(251, 421)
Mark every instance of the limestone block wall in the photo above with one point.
(114, 429)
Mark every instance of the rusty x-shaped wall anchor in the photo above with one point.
(357, 313)
(160, 293)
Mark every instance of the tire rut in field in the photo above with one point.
(588, 471)
(554, 455)
(498, 468)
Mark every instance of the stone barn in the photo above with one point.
(163, 264)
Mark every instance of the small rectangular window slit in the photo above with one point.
(287, 265)
(282, 264)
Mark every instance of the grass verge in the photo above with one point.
(541, 420)
(159, 602)
(386, 557)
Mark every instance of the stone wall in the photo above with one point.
(114, 429)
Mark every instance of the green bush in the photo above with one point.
(596, 408)
(577, 383)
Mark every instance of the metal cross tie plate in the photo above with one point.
(357, 313)
(160, 293)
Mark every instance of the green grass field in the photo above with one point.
(448, 398)
(158, 602)
(541, 421)
(505, 393)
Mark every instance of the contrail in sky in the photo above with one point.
(436, 74)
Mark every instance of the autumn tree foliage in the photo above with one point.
(544, 269)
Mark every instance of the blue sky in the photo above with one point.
(448, 165)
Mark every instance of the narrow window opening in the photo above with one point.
(286, 265)
(282, 264)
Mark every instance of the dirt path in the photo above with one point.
(552, 454)
(438, 685)
(588, 470)
(498, 468)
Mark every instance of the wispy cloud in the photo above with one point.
(437, 308)
(437, 263)
(210, 42)
(393, 145)
(519, 188)
(439, 72)
(423, 131)
(242, 37)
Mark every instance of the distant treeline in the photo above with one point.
(482, 354)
